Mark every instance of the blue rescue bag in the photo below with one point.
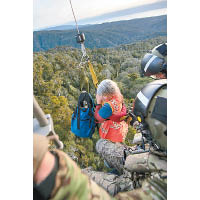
(83, 121)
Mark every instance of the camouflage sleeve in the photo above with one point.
(146, 162)
(112, 183)
(71, 183)
(112, 153)
(152, 189)
(138, 194)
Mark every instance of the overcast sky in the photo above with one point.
(58, 12)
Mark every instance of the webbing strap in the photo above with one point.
(92, 72)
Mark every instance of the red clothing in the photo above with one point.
(113, 129)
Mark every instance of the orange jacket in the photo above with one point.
(112, 130)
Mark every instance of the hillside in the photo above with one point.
(103, 35)
(56, 86)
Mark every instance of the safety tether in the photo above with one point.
(94, 78)
(85, 58)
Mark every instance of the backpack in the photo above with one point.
(83, 121)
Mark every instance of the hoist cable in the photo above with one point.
(74, 17)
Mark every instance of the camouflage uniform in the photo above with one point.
(112, 183)
(112, 153)
(71, 183)
(152, 189)
(133, 169)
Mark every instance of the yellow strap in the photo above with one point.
(128, 120)
(94, 78)
(123, 118)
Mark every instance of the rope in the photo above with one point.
(74, 17)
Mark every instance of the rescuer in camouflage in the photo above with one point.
(57, 177)
(133, 169)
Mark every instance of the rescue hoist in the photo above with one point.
(80, 38)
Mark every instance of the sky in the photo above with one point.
(47, 13)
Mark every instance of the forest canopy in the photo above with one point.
(56, 86)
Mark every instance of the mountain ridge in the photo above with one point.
(109, 34)
(61, 27)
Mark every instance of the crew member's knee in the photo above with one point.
(99, 145)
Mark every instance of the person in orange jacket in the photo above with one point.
(109, 110)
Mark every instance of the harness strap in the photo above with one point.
(92, 72)
(85, 97)
(81, 98)
(89, 102)
(78, 119)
